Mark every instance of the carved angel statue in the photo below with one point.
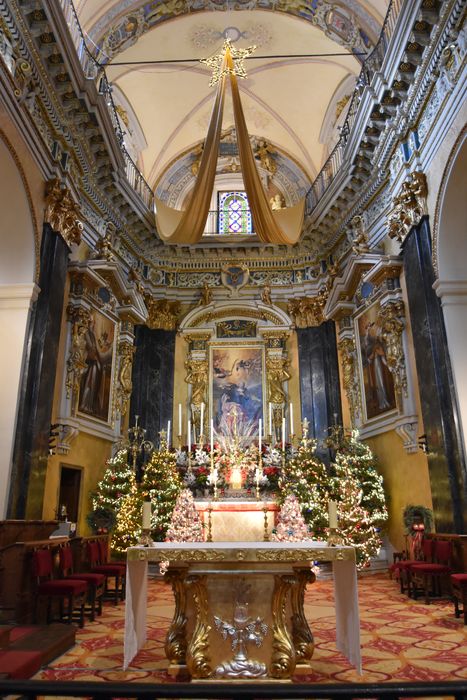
(277, 373)
(277, 202)
(263, 153)
(266, 295)
(197, 376)
(198, 153)
(206, 295)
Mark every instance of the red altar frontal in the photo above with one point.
(234, 520)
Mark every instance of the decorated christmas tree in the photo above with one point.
(185, 524)
(129, 518)
(161, 484)
(116, 483)
(354, 521)
(291, 526)
(306, 477)
(356, 457)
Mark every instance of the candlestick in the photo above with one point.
(168, 434)
(283, 433)
(260, 430)
(179, 418)
(146, 515)
(266, 533)
(210, 522)
(291, 418)
(270, 419)
(201, 427)
(189, 444)
(212, 436)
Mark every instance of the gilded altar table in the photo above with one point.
(239, 609)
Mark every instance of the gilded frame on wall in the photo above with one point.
(237, 388)
(377, 382)
(96, 382)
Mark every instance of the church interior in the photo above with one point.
(233, 315)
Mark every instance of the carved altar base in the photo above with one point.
(239, 606)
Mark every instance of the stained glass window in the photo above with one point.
(234, 213)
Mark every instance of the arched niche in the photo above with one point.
(450, 254)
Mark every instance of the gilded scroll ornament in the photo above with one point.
(76, 361)
(277, 369)
(197, 657)
(62, 212)
(302, 636)
(283, 657)
(197, 376)
(125, 385)
(176, 643)
(162, 313)
(391, 319)
(408, 206)
(348, 355)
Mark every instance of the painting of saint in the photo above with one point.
(378, 382)
(96, 380)
(237, 389)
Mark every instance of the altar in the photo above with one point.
(237, 519)
(239, 606)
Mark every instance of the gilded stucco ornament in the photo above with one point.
(359, 236)
(391, 319)
(62, 212)
(76, 361)
(198, 658)
(348, 354)
(409, 206)
(162, 313)
(283, 658)
(124, 385)
(307, 312)
(302, 636)
(277, 370)
(176, 643)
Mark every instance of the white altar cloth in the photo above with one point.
(344, 574)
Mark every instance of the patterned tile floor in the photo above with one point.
(402, 640)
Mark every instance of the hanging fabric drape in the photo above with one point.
(186, 227)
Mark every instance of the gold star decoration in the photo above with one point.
(216, 62)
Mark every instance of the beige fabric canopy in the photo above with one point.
(186, 227)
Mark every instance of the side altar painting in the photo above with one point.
(378, 382)
(237, 389)
(96, 380)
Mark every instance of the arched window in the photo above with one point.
(234, 213)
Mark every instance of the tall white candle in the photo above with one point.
(291, 418)
(168, 434)
(332, 512)
(202, 420)
(270, 418)
(179, 418)
(260, 430)
(146, 515)
(189, 435)
(283, 433)
(212, 436)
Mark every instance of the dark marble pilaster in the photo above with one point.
(37, 390)
(438, 402)
(319, 380)
(153, 380)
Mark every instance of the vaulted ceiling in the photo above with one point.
(295, 93)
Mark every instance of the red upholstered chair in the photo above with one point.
(402, 568)
(96, 582)
(459, 593)
(112, 572)
(19, 664)
(427, 576)
(70, 594)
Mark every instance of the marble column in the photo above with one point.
(36, 394)
(153, 380)
(438, 401)
(319, 381)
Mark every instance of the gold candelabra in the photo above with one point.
(266, 532)
(209, 538)
(136, 446)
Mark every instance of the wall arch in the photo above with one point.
(18, 271)
(450, 254)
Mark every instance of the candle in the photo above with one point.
(291, 418)
(260, 430)
(270, 418)
(179, 418)
(212, 436)
(189, 435)
(283, 433)
(136, 421)
(202, 420)
(146, 515)
(168, 434)
(332, 512)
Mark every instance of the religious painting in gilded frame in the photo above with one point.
(378, 392)
(237, 389)
(95, 389)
